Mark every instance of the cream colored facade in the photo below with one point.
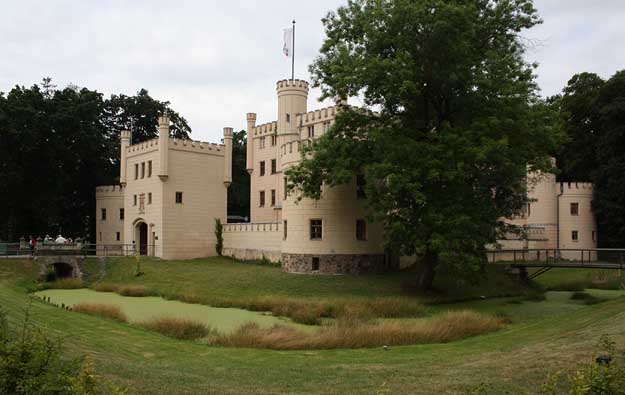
(171, 191)
(329, 235)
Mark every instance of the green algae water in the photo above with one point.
(138, 309)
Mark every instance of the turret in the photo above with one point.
(163, 145)
(228, 157)
(251, 123)
(292, 100)
(125, 143)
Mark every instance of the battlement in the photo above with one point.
(291, 85)
(576, 187)
(228, 132)
(266, 128)
(251, 116)
(196, 146)
(148, 145)
(109, 191)
(315, 116)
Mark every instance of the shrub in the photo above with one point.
(219, 228)
(586, 298)
(353, 333)
(591, 378)
(32, 362)
(110, 311)
(178, 328)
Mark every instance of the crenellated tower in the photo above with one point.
(292, 101)
(125, 143)
(251, 124)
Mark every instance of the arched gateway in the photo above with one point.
(63, 266)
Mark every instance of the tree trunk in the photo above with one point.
(425, 277)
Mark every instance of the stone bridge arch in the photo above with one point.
(63, 266)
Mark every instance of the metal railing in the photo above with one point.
(22, 250)
(573, 257)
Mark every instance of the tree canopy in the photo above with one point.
(457, 123)
(57, 145)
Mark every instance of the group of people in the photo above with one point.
(32, 243)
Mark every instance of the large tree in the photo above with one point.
(456, 128)
(577, 158)
(609, 198)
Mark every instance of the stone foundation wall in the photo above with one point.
(336, 263)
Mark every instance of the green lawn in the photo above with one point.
(514, 359)
(225, 278)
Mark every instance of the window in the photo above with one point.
(273, 197)
(121, 214)
(288, 117)
(575, 235)
(273, 166)
(311, 131)
(360, 186)
(316, 229)
(142, 169)
(261, 142)
(149, 168)
(149, 197)
(134, 200)
(361, 230)
(136, 171)
(326, 127)
(315, 263)
(274, 140)
(103, 214)
(594, 236)
(284, 230)
(262, 199)
(286, 189)
(118, 236)
(529, 209)
(100, 236)
(178, 197)
(142, 203)
(262, 168)
(574, 208)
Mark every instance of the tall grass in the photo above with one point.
(441, 328)
(110, 311)
(124, 290)
(179, 328)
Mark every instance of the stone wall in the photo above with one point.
(253, 241)
(336, 264)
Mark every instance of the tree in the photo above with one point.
(459, 123)
(239, 191)
(577, 158)
(609, 192)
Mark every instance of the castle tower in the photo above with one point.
(228, 157)
(125, 143)
(251, 123)
(292, 100)
(163, 145)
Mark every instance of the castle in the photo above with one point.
(171, 191)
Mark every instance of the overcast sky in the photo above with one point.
(215, 60)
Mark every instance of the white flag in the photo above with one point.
(287, 48)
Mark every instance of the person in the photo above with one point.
(32, 244)
(134, 248)
(60, 240)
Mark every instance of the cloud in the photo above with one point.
(215, 60)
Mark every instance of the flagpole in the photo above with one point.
(293, 55)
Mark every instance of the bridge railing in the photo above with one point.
(556, 255)
(17, 250)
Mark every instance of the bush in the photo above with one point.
(592, 378)
(109, 311)
(586, 298)
(32, 362)
(219, 228)
(352, 333)
(178, 328)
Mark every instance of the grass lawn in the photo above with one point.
(511, 360)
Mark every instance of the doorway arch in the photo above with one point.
(141, 237)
